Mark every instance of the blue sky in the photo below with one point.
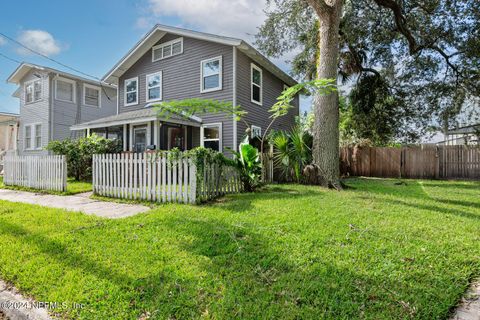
(93, 35)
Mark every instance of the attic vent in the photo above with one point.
(167, 49)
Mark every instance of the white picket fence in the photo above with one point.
(38, 172)
(154, 177)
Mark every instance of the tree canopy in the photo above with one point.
(423, 56)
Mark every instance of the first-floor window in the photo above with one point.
(154, 86)
(256, 132)
(211, 136)
(131, 91)
(38, 136)
(28, 137)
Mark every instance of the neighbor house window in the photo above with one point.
(256, 132)
(167, 49)
(33, 91)
(65, 90)
(131, 91)
(28, 137)
(211, 70)
(257, 79)
(211, 136)
(91, 95)
(38, 136)
(154, 86)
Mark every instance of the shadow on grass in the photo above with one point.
(241, 203)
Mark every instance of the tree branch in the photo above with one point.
(320, 6)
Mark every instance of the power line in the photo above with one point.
(9, 58)
(55, 61)
(51, 59)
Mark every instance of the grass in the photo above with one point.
(73, 187)
(380, 250)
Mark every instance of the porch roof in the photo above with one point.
(137, 116)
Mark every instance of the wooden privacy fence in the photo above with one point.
(421, 162)
(38, 172)
(155, 177)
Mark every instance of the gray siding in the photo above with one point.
(57, 116)
(34, 113)
(66, 114)
(272, 88)
(181, 79)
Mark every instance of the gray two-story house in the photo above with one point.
(51, 101)
(170, 63)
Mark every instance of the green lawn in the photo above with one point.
(73, 187)
(382, 250)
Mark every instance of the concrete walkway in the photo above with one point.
(469, 308)
(14, 306)
(80, 202)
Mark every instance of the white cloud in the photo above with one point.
(2, 41)
(40, 41)
(237, 18)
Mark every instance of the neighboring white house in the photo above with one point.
(8, 131)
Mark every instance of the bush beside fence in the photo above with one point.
(161, 177)
(38, 172)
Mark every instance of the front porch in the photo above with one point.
(144, 130)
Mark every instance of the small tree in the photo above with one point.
(79, 153)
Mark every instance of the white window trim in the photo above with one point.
(256, 127)
(220, 75)
(74, 87)
(166, 44)
(212, 125)
(125, 92)
(86, 85)
(33, 140)
(32, 82)
(252, 67)
(160, 73)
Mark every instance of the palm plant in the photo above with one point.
(292, 152)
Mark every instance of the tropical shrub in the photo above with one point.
(247, 160)
(292, 152)
(79, 153)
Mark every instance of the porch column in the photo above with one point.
(131, 137)
(7, 135)
(15, 136)
(155, 134)
(125, 145)
(88, 132)
(149, 133)
(185, 140)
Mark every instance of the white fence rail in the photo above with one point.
(154, 177)
(38, 172)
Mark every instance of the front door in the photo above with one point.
(140, 139)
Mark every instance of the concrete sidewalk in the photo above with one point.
(80, 202)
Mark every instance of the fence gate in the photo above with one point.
(38, 172)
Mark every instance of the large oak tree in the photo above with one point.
(426, 51)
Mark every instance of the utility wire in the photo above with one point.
(9, 58)
(53, 60)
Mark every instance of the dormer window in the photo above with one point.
(167, 49)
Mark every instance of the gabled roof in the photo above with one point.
(24, 68)
(159, 31)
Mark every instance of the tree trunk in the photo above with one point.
(326, 126)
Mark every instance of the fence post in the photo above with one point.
(193, 181)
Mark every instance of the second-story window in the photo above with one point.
(211, 77)
(65, 90)
(167, 49)
(33, 91)
(154, 86)
(257, 84)
(91, 95)
(131, 91)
